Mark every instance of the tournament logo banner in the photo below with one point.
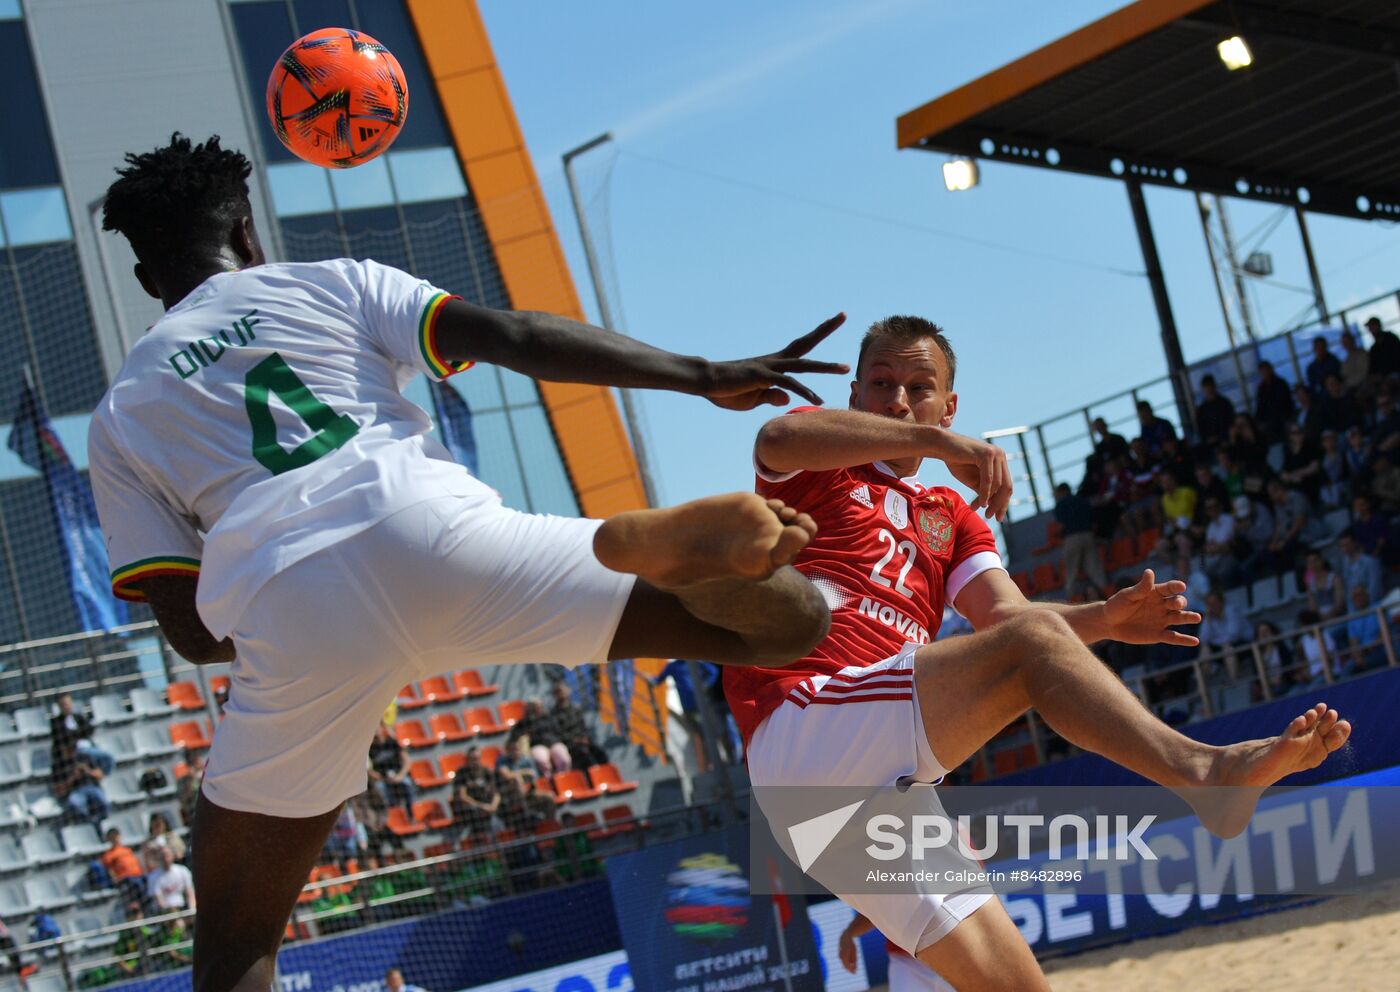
(690, 922)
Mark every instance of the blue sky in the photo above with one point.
(755, 188)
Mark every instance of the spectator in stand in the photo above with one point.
(1247, 447)
(1229, 472)
(1152, 429)
(1107, 446)
(519, 817)
(1145, 511)
(1385, 484)
(1370, 528)
(1302, 464)
(1336, 474)
(1177, 504)
(71, 728)
(475, 797)
(1339, 408)
(1385, 426)
(8, 947)
(1220, 563)
(585, 753)
(1273, 402)
(1363, 635)
(1209, 486)
(160, 833)
(1323, 364)
(546, 747)
(388, 769)
(1312, 646)
(123, 867)
(1360, 569)
(1223, 629)
(1189, 570)
(1385, 350)
(1075, 515)
(371, 809)
(1276, 656)
(169, 884)
(393, 982)
(187, 786)
(568, 717)
(1176, 458)
(1356, 364)
(1291, 516)
(516, 764)
(78, 785)
(573, 852)
(1113, 495)
(346, 839)
(1326, 593)
(1254, 529)
(1358, 453)
(1311, 417)
(1214, 413)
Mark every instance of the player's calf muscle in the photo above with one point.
(779, 619)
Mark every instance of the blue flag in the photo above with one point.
(454, 419)
(32, 438)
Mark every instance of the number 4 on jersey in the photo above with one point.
(274, 376)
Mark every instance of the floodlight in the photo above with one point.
(960, 174)
(1235, 53)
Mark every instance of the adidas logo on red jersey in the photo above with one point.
(861, 494)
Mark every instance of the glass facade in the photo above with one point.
(409, 208)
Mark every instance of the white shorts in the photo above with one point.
(326, 645)
(909, 975)
(861, 727)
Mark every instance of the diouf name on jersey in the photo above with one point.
(906, 626)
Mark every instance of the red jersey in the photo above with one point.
(887, 553)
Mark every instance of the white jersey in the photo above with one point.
(261, 420)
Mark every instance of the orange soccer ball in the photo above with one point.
(337, 98)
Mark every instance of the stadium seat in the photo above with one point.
(1003, 762)
(451, 763)
(48, 892)
(152, 743)
(41, 804)
(124, 789)
(400, 824)
(545, 832)
(470, 682)
(447, 727)
(1026, 756)
(220, 684)
(132, 825)
(120, 744)
(607, 778)
(13, 768)
(40, 763)
(572, 786)
(1054, 537)
(189, 736)
(1123, 553)
(1045, 578)
(410, 733)
(439, 850)
(490, 754)
(109, 708)
(545, 787)
(88, 922)
(481, 720)
(8, 731)
(184, 696)
(618, 819)
(438, 690)
(42, 847)
(81, 839)
(431, 814)
(78, 880)
(512, 712)
(12, 858)
(14, 903)
(410, 698)
(426, 776)
(33, 721)
(149, 704)
(13, 814)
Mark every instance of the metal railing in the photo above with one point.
(1054, 450)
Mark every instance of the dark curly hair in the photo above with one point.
(177, 204)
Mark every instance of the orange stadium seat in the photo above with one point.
(452, 762)
(1054, 537)
(189, 735)
(489, 755)
(607, 778)
(410, 733)
(469, 681)
(1123, 553)
(1045, 578)
(438, 850)
(617, 818)
(447, 727)
(401, 825)
(1146, 541)
(481, 720)
(426, 776)
(544, 834)
(431, 814)
(437, 690)
(410, 699)
(545, 787)
(220, 684)
(572, 786)
(185, 696)
(1003, 762)
(512, 712)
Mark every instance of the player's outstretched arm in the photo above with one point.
(171, 598)
(556, 349)
(821, 440)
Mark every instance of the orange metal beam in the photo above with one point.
(595, 447)
(1073, 50)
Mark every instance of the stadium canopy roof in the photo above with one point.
(1143, 95)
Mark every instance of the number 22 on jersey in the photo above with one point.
(903, 547)
(273, 376)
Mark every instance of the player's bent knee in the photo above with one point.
(1040, 627)
(804, 626)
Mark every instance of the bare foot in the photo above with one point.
(739, 535)
(1248, 768)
